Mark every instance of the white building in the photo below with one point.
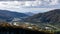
(29, 27)
(48, 28)
(16, 24)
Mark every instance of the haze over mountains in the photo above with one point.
(30, 13)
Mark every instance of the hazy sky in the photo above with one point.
(29, 5)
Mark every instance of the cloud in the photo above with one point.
(17, 0)
(37, 3)
(26, 6)
(54, 2)
(18, 7)
(11, 4)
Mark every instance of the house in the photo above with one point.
(16, 24)
(30, 27)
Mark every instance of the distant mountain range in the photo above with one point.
(9, 15)
(30, 13)
(52, 16)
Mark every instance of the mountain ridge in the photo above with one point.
(9, 15)
(47, 17)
